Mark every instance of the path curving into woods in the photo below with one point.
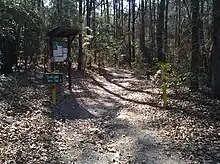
(108, 118)
(111, 116)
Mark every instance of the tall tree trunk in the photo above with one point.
(204, 58)
(80, 57)
(160, 31)
(133, 30)
(88, 14)
(177, 40)
(102, 7)
(153, 25)
(129, 35)
(94, 31)
(166, 29)
(122, 16)
(59, 11)
(195, 45)
(142, 33)
(107, 6)
(115, 17)
(84, 7)
(216, 48)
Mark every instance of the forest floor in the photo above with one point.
(111, 116)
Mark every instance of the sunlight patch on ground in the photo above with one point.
(125, 76)
(142, 97)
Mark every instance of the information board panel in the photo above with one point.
(53, 78)
(60, 50)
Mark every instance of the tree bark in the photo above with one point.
(195, 45)
(80, 57)
(160, 31)
(216, 48)
(129, 35)
(107, 6)
(94, 30)
(166, 29)
(142, 29)
(133, 30)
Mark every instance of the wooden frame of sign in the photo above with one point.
(66, 35)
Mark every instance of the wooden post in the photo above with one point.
(69, 64)
(51, 54)
(54, 94)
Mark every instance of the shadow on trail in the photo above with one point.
(71, 110)
(110, 78)
(153, 104)
(200, 112)
(200, 106)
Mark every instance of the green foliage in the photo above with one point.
(23, 24)
(166, 66)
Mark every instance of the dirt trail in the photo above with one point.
(107, 120)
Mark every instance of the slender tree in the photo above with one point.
(142, 30)
(160, 32)
(216, 48)
(129, 35)
(80, 57)
(195, 45)
(166, 28)
(133, 30)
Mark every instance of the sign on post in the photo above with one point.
(53, 78)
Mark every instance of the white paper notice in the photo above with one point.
(55, 53)
(65, 50)
(60, 50)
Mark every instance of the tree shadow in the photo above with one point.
(197, 146)
(200, 106)
(201, 112)
(152, 103)
(109, 76)
(140, 146)
(73, 108)
(25, 104)
(70, 109)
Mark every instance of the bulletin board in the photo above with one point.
(60, 51)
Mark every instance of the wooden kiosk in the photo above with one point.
(60, 40)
